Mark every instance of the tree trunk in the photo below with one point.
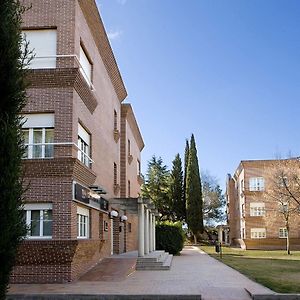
(195, 239)
(288, 239)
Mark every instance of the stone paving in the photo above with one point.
(192, 273)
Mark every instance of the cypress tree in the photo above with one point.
(194, 192)
(186, 160)
(176, 190)
(13, 97)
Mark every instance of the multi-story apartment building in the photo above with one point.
(83, 145)
(254, 217)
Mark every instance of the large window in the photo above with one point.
(257, 209)
(84, 141)
(258, 233)
(39, 220)
(115, 174)
(283, 233)
(83, 215)
(42, 43)
(86, 66)
(256, 184)
(38, 135)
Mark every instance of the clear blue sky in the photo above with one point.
(227, 71)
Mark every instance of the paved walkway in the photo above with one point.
(192, 273)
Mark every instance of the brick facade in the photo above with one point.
(64, 92)
(240, 197)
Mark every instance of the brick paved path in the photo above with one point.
(192, 273)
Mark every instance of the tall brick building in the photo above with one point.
(254, 218)
(83, 145)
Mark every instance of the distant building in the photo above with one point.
(83, 146)
(254, 220)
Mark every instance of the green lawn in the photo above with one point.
(273, 269)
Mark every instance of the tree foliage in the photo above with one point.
(213, 200)
(186, 160)
(284, 190)
(156, 186)
(13, 98)
(176, 190)
(194, 192)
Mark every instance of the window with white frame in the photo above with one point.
(38, 135)
(86, 66)
(256, 184)
(283, 232)
(38, 220)
(257, 209)
(83, 216)
(258, 233)
(42, 43)
(84, 141)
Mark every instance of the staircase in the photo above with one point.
(157, 260)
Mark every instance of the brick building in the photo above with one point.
(254, 219)
(83, 146)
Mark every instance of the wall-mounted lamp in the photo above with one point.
(113, 214)
(123, 218)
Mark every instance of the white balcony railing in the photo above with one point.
(52, 60)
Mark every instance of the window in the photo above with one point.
(84, 140)
(242, 185)
(82, 222)
(129, 227)
(86, 66)
(115, 121)
(258, 233)
(115, 174)
(257, 209)
(256, 184)
(138, 167)
(43, 44)
(283, 233)
(38, 135)
(128, 188)
(284, 207)
(39, 220)
(243, 210)
(128, 147)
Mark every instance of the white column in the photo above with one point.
(153, 222)
(146, 232)
(111, 236)
(141, 229)
(150, 233)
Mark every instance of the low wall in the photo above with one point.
(271, 244)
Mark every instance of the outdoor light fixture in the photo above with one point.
(123, 218)
(113, 214)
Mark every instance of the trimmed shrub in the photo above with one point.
(169, 237)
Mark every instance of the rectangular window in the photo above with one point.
(83, 215)
(115, 174)
(258, 233)
(129, 189)
(84, 141)
(42, 43)
(86, 66)
(39, 220)
(115, 121)
(257, 209)
(138, 168)
(128, 147)
(38, 135)
(256, 184)
(282, 233)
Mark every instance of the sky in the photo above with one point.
(227, 71)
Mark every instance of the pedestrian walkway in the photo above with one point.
(192, 273)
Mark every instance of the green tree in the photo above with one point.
(176, 190)
(186, 160)
(156, 186)
(13, 98)
(213, 200)
(194, 192)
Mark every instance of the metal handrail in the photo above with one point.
(77, 60)
(62, 144)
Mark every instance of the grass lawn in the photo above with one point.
(273, 269)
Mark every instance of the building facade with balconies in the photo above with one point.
(74, 132)
(254, 218)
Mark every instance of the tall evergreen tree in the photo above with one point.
(13, 97)
(176, 190)
(156, 186)
(194, 192)
(186, 160)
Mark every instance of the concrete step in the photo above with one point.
(158, 260)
